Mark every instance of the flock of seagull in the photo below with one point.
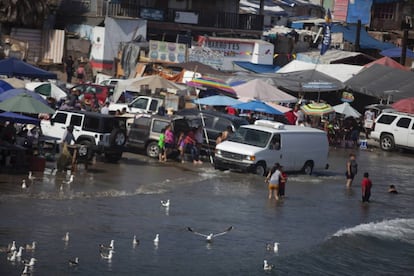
(107, 251)
(52, 172)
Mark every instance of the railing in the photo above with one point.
(224, 20)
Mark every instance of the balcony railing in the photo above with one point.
(220, 20)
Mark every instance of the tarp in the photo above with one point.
(307, 81)
(383, 82)
(388, 62)
(258, 106)
(260, 90)
(396, 52)
(257, 68)
(16, 67)
(341, 72)
(366, 41)
(18, 118)
(334, 56)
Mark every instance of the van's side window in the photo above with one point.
(275, 143)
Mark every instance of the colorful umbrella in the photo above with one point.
(217, 100)
(210, 82)
(25, 103)
(317, 109)
(258, 106)
(404, 105)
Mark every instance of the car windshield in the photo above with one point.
(251, 137)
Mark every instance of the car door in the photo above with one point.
(76, 121)
(402, 130)
(410, 141)
(57, 126)
(140, 131)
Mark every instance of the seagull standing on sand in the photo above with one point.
(13, 246)
(31, 177)
(209, 237)
(165, 203)
(66, 237)
(25, 271)
(24, 186)
(12, 256)
(266, 266)
(30, 263)
(74, 262)
(273, 247)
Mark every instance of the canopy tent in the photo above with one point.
(258, 106)
(207, 82)
(16, 67)
(347, 110)
(47, 89)
(396, 52)
(15, 92)
(341, 72)
(404, 105)
(217, 100)
(307, 81)
(388, 62)
(25, 103)
(260, 90)
(122, 86)
(18, 118)
(383, 82)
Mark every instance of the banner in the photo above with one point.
(326, 40)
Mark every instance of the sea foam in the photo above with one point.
(396, 229)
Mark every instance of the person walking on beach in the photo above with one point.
(69, 69)
(351, 169)
(273, 180)
(169, 141)
(366, 186)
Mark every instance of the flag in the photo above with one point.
(326, 39)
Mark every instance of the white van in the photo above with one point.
(256, 148)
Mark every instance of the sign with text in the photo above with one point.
(162, 51)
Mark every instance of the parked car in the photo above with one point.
(89, 89)
(215, 122)
(256, 148)
(394, 130)
(145, 131)
(102, 134)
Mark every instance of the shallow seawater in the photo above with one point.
(322, 228)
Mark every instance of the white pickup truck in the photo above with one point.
(141, 104)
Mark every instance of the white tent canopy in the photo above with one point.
(347, 110)
(260, 90)
(341, 72)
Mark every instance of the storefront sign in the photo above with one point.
(162, 51)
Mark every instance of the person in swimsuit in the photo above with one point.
(273, 180)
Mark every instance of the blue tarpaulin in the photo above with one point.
(396, 52)
(257, 68)
(366, 41)
(16, 67)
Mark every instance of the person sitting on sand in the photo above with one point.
(392, 190)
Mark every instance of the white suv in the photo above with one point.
(394, 130)
(98, 132)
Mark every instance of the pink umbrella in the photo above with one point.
(404, 105)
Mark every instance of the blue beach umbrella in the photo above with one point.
(258, 106)
(217, 100)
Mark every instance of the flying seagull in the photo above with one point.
(209, 237)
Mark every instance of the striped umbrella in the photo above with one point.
(317, 109)
(211, 82)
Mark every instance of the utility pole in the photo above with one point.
(261, 9)
(404, 47)
(358, 36)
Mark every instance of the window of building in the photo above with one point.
(384, 11)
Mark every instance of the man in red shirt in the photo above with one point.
(366, 188)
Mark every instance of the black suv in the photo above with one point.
(98, 133)
(146, 129)
(215, 122)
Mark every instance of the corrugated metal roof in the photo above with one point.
(53, 45)
(34, 38)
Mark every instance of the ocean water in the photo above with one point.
(322, 227)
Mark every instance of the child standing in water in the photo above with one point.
(366, 187)
(161, 146)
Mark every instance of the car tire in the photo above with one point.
(308, 168)
(88, 145)
(387, 142)
(152, 149)
(260, 169)
(117, 138)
